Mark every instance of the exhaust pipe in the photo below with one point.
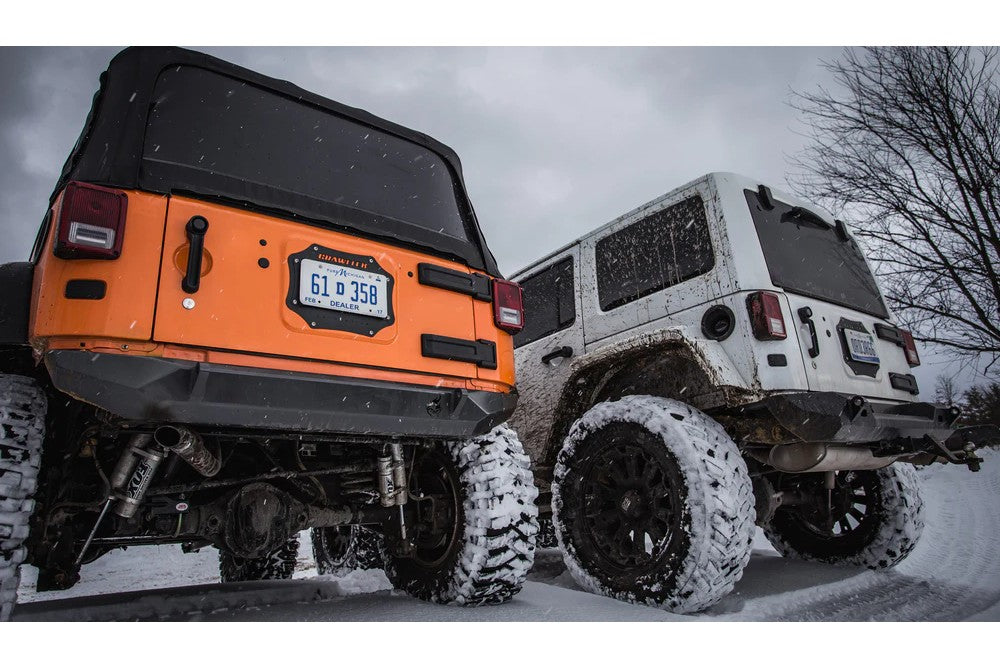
(812, 457)
(189, 446)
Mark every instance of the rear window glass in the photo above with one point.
(806, 256)
(261, 145)
(663, 249)
(549, 302)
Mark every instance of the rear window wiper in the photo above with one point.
(799, 214)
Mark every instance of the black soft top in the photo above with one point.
(110, 150)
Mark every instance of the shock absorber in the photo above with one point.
(133, 473)
(392, 486)
(391, 471)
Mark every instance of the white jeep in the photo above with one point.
(716, 358)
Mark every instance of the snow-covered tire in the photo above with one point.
(341, 549)
(279, 564)
(492, 542)
(888, 532)
(546, 534)
(679, 534)
(22, 430)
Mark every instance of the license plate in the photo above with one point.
(861, 346)
(336, 287)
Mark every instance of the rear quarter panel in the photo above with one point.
(127, 310)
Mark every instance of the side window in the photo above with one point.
(662, 249)
(549, 302)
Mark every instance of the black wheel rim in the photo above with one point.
(630, 497)
(845, 511)
(435, 533)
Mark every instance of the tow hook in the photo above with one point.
(967, 455)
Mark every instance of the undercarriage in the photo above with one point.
(108, 484)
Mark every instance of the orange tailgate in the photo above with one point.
(249, 300)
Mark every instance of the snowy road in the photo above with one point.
(954, 574)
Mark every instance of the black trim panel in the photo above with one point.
(889, 333)
(15, 301)
(91, 290)
(904, 382)
(777, 360)
(155, 390)
(475, 285)
(482, 353)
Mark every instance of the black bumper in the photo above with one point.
(829, 417)
(154, 390)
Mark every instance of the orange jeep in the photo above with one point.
(250, 311)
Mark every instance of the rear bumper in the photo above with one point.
(828, 417)
(155, 390)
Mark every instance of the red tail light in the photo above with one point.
(508, 307)
(910, 347)
(91, 222)
(765, 316)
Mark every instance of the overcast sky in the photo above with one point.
(554, 141)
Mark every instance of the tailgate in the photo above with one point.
(271, 286)
(849, 356)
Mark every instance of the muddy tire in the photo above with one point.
(22, 430)
(341, 549)
(279, 564)
(876, 521)
(652, 504)
(483, 546)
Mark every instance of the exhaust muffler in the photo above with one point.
(813, 457)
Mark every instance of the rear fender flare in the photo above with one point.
(666, 364)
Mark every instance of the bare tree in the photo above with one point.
(945, 391)
(909, 151)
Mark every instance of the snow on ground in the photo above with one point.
(954, 574)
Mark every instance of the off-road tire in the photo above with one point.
(493, 544)
(547, 534)
(279, 564)
(339, 550)
(888, 533)
(698, 500)
(22, 431)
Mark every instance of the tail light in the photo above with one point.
(765, 316)
(508, 306)
(910, 347)
(91, 222)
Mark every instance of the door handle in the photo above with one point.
(196, 229)
(565, 352)
(805, 314)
